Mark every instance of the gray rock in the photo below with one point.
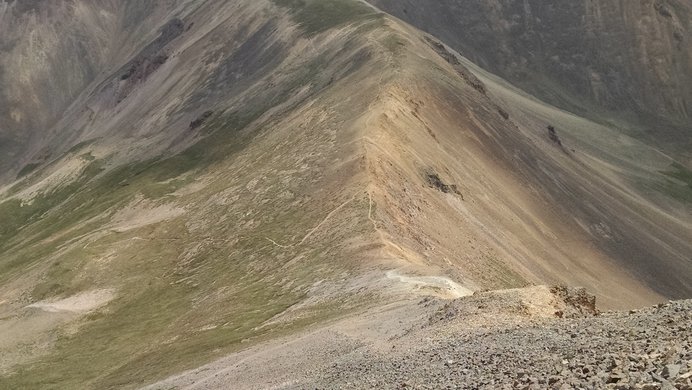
(667, 386)
(671, 371)
(649, 386)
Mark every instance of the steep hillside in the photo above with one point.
(626, 64)
(50, 54)
(469, 178)
(216, 174)
(206, 193)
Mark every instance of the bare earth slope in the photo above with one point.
(467, 178)
(220, 174)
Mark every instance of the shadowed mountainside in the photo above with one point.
(50, 53)
(628, 63)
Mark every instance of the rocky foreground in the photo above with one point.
(531, 338)
(528, 339)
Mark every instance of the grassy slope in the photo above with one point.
(316, 16)
(680, 187)
(197, 286)
(128, 342)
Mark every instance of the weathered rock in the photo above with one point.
(609, 351)
(671, 371)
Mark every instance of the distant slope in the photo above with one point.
(628, 63)
(46, 63)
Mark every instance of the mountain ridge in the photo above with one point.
(625, 65)
(245, 171)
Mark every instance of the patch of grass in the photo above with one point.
(254, 306)
(234, 280)
(95, 193)
(316, 16)
(28, 168)
(76, 148)
(31, 168)
(55, 283)
(681, 186)
(87, 157)
(681, 173)
(156, 327)
(503, 276)
(137, 348)
(91, 195)
(15, 214)
(394, 43)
